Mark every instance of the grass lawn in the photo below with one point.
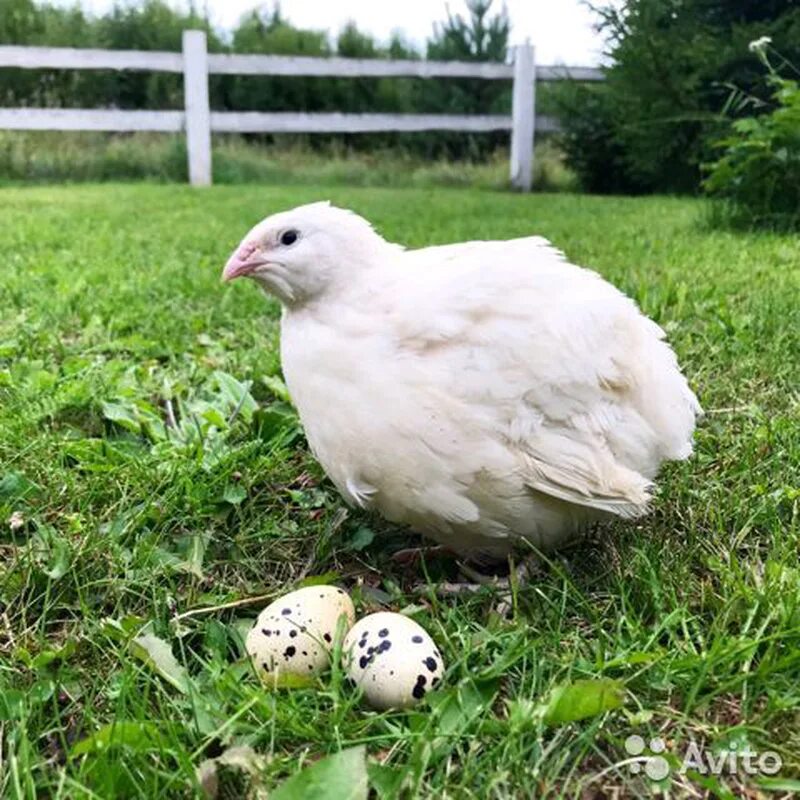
(114, 524)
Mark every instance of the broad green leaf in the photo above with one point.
(92, 455)
(583, 699)
(215, 417)
(12, 704)
(121, 629)
(342, 776)
(15, 486)
(276, 423)
(312, 497)
(216, 638)
(456, 708)
(46, 657)
(123, 415)
(633, 659)
(286, 680)
(239, 629)
(158, 655)
(639, 718)
(160, 557)
(234, 494)
(319, 580)
(139, 736)
(376, 595)
(362, 538)
(453, 713)
(411, 609)
(152, 424)
(385, 780)
(195, 553)
(51, 551)
(138, 417)
(41, 380)
(236, 394)
(242, 758)
(40, 692)
(277, 387)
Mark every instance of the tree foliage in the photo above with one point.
(151, 25)
(673, 64)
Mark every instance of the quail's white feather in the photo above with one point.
(476, 392)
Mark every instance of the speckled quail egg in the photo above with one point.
(392, 659)
(294, 634)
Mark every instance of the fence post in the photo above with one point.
(198, 112)
(523, 112)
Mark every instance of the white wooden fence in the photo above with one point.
(198, 121)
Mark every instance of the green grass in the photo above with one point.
(112, 314)
(50, 157)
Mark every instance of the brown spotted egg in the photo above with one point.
(392, 659)
(295, 633)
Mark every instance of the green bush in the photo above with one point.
(652, 125)
(593, 152)
(758, 176)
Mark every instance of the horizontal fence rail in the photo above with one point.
(78, 119)
(290, 122)
(306, 66)
(198, 121)
(73, 58)
(354, 67)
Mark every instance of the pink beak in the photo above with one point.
(244, 261)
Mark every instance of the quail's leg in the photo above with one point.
(411, 556)
(518, 575)
(446, 588)
(477, 580)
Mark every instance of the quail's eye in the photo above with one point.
(288, 237)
